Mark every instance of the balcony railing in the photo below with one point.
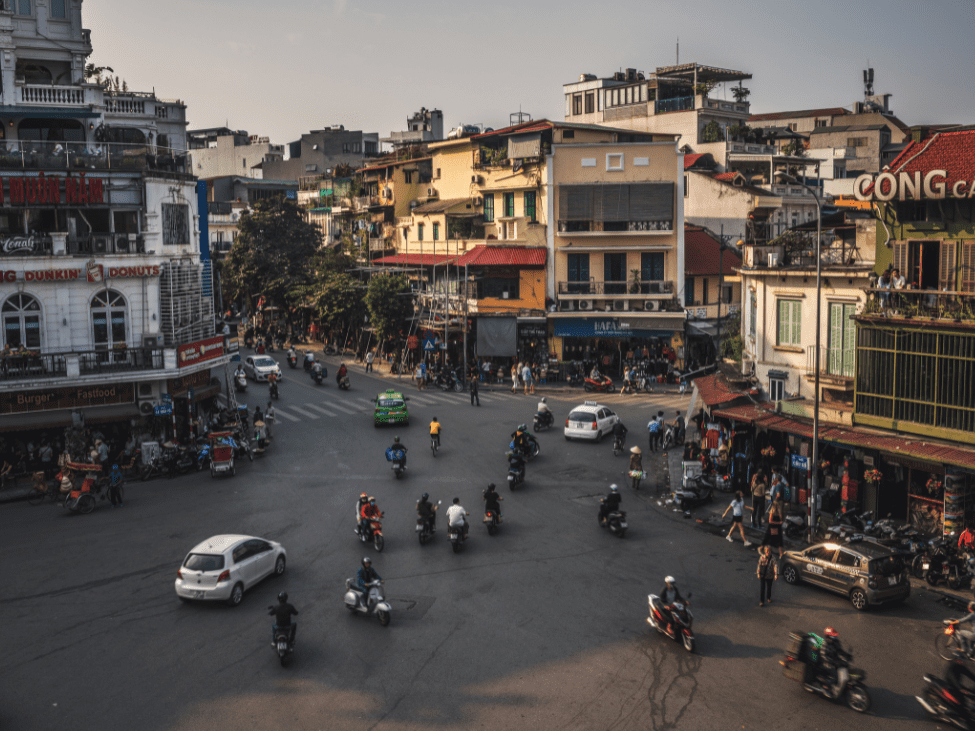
(32, 155)
(910, 304)
(93, 362)
(644, 288)
(678, 104)
(55, 96)
(117, 105)
(39, 243)
(740, 107)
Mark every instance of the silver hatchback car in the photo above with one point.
(223, 567)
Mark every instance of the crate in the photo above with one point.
(794, 670)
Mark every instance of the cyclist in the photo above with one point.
(435, 431)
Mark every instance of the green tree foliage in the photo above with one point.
(731, 345)
(339, 301)
(711, 132)
(389, 303)
(275, 255)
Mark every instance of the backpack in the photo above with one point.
(653, 427)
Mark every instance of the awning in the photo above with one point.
(415, 259)
(611, 327)
(62, 417)
(48, 113)
(497, 336)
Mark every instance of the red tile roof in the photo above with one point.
(950, 151)
(689, 160)
(702, 254)
(827, 112)
(725, 176)
(504, 256)
(715, 390)
(415, 259)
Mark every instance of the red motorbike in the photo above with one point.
(604, 384)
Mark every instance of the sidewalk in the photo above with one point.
(14, 493)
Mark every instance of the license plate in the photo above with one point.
(199, 594)
(419, 528)
(282, 646)
(623, 524)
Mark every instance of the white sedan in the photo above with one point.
(223, 567)
(259, 367)
(590, 421)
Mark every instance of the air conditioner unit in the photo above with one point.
(145, 407)
(386, 193)
(654, 287)
(585, 304)
(476, 179)
(122, 243)
(747, 367)
(567, 305)
(651, 305)
(505, 295)
(431, 192)
(100, 244)
(773, 259)
(152, 340)
(621, 305)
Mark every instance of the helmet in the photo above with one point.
(543, 400)
(363, 495)
(114, 467)
(372, 500)
(523, 427)
(971, 607)
(366, 561)
(830, 632)
(614, 488)
(670, 580)
(491, 486)
(424, 496)
(283, 597)
(395, 440)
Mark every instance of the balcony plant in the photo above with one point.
(704, 88)
(740, 93)
(711, 132)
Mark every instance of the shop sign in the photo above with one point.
(181, 385)
(46, 191)
(199, 352)
(412, 342)
(533, 331)
(25, 244)
(93, 273)
(799, 462)
(904, 186)
(163, 410)
(66, 398)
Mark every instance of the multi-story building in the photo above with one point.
(319, 152)
(421, 127)
(712, 291)
(221, 152)
(105, 290)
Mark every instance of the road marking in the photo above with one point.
(343, 409)
(307, 414)
(422, 400)
(285, 414)
(319, 408)
(367, 402)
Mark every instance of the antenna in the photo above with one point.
(678, 51)
(868, 81)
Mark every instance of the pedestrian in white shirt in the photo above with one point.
(737, 507)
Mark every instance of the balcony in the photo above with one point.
(723, 106)
(922, 304)
(53, 96)
(678, 104)
(619, 228)
(835, 366)
(751, 148)
(40, 243)
(82, 156)
(698, 311)
(15, 369)
(644, 289)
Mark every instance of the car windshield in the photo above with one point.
(203, 562)
(264, 362)
(579, 415)
(391, 403)
(887, 566)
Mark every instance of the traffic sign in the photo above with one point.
(412, 342)
(429, 345)
(166, 399)
(164, 410)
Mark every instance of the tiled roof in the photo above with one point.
(953, 152)
(689, 160)
(702, 254)
(715, 390)
(392, 163)
(725, 176)
(504, 256)
(414, 260)
(827, 112)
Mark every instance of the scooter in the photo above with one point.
(292, 360)
(680, 624)
(203, 457)
(424, 530)
(615, 521)
(543, 420)
(397, 460)
(240, 382)
(282, 639)
(533, 447)
(795, 525)
(849, 686)
(318, 377)
(344, 383)
(457, 536)
(941, 701)
(516, 470)
(372, 533)
(273, 390)
(605, 384)
(618, 445)
(308, 361)
(374, 603)
(695, 491)
(492, 520)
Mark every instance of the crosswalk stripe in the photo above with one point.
(343, 409)
(319, 408)
(421, 400)
(303, 412)
(285, 414)
(367, 402)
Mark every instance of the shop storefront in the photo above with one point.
(612, 341)
(533, 340)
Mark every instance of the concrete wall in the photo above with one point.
(229, 159)
(329, 154)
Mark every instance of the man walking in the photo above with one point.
(370, 357)
(473, 387)
(652, 428)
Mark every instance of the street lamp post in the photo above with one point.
(814, 484)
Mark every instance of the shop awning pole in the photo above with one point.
(465, 318)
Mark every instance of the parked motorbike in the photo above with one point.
(950, 566)
(179, 459)
(516, 470)
(372, 533)
(273, 390)
(424, 530)
(794, 525)
(670, 437)
(240, 383)
(397, 461)
(152, 468)
(922, 562)
(942, 702)
(543, 420)
(283, 643)
(615, 521)
(603, 385)
(457, 536)
(848, 687)
(695, 491)
(680, 620)
(374, 603)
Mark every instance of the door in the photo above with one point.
(614, 273)
(816, 560)
(22, 322)
(578, 272)
(108, 320)
(608, 421)
(243, 559)
(841, 575)
(262, 558)
(651, 270)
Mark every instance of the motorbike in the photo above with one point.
(397, 461)
(457, 536)
(318, 377)
(282, 640)
(329, 349)
(178, 459)
(951, 567)
(940, 700)
(424, 530)
(344, 383)
(543, 420)
(492, 520)
(152, 468)
(273, 390)
(618, 445)
(575, 378)
(203, 457)
(849, 686)
(448, 381)
(695, 491)
(516, 470)
(604, 385)
(670, 437)
(533, 447)
(292, 360)
(309, 360)
(680, 622)
(240, 382)
(249, 342)
(372, 533)
(794, 525)
(615, 521)
(357, 601)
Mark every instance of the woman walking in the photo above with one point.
(759, 487)
(636, 467)
(514, 377)
(768, 571)
(737, 507)
(773, 532)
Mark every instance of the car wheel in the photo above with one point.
(236, 595)
(375, 424)
(858, 599)
(567, 438)
(790, 575)
(279, 566)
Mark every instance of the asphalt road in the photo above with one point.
(542, 626)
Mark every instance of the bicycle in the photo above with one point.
(36, 496)
(434, 443)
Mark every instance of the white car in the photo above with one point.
(590, 421)
(223, 567)
(259, 367)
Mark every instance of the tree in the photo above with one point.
(389, 302)
(271, 255)
(339, 301)
(731, 345)
(711, 132)
(740, 93)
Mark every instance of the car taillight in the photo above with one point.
(567, 422)
(179, 574)
(224, 576)
(594, 426)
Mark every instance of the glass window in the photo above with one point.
(203, 562)
(790, 322)
(590, 103)
(689, 292)
(436, 231)
(108, 319)
(704, 291)
(530, 205)
(509, 205)
(614, 273)
(22, 322)
(578, 270)
(753, 314)
(489, 208)
(776, 388)
(577, 104)
(652, 266)
(501, 288)
(23, 7)
(419, 232)
(57, 9)
(847, 559)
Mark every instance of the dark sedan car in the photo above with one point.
(865, 573)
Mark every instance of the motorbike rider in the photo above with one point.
(426, 510)
(595, 375)
(292, 355)
(240, 372)
(966, 636)
(831, 655)
(272, 382)
(282, 617)
(520, 437)
(360, 523)
(369, 512)
(966, 541)
(341, 373)
(455, 516)
(399, 447)
(619, 431)
(544, 410)
(309, 359)
(316, 369)
(669, 596)
(365, 575)
(435, 430)
(610, 503)
(955, 675)
(491, 501)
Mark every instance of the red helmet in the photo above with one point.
(830, 632)
(364, 496)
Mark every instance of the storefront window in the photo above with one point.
(108, 319)
(21, 322)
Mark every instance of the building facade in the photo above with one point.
(221, 152)
(319, 152)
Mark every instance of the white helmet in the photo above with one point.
(670, 580)
(543, 400)
(614, 488)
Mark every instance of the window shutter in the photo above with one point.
(796, 323)
(611, 203)
(948, 266)
(835, 339)
(900, 259)
(575, 203)
(651, 202)
(849, 340)
(968, 266)
(783, 322)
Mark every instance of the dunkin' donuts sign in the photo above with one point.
(93, 274)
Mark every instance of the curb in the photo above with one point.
(14, 494)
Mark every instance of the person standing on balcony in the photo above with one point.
(883, 283)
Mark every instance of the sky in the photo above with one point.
(279, 68)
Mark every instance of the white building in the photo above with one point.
(102, 277)
(220, 152)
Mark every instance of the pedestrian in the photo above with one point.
(370, 357)
(737, 508)
(636, 467)
(767, 572)
(473, 387)
(514, 377)
(423, 374)
(773, 531)
(759, 487)
(115, 486)
(626, 380)
(526, 376)
(653, 426)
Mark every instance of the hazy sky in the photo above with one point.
(283, 67)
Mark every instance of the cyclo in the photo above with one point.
(222, 453)
(83, 500)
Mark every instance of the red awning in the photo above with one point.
(415, 260)
(504, 256)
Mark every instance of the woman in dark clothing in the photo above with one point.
(773, 532)
(768, 571)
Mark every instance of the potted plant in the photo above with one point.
(873, 477)
(740, 93)
(634, 281)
